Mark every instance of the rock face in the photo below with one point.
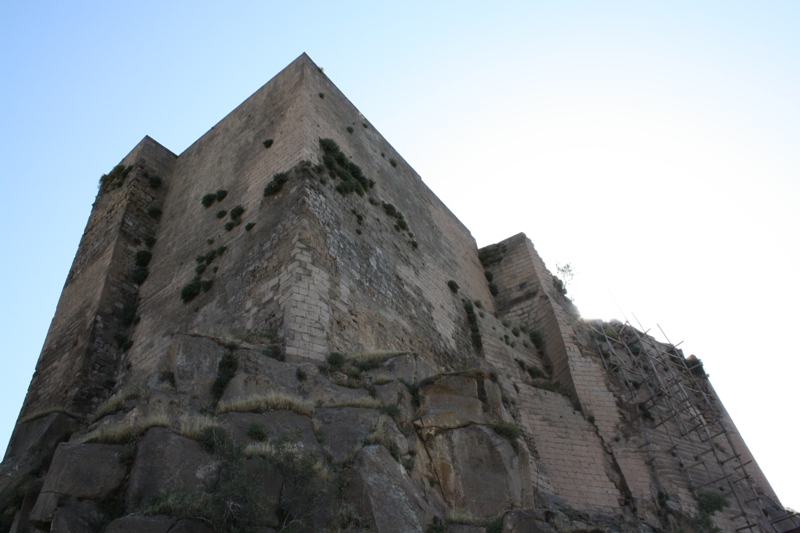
(387, 495)
(82, 471)
(284, 329)
(154, 471)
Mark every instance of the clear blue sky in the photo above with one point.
(653, 145)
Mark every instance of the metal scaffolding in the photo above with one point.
(659, 382)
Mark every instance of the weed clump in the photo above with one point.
(708, 503)
(336, 360)
(695, 366)
(139, 275)
(340, 166)
(275, 186)
(274, 349)
(491, 255)
(128, 315)
(510, 431)
(226, 369)
(258, 432)
(143, 258)
(249, 226)
(236, 212)
(267, 143)
(537, 340)
(190, 291)
(208, 200)
(154, 182)
(115, 178)
(154, 212)
(475, 332)
(536, 372)
(453, 286)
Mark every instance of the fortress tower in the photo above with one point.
(283, 329)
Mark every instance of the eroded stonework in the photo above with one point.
(283, 329)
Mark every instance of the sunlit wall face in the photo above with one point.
(652, 146)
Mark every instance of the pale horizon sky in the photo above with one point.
(654, 146)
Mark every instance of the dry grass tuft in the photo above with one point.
(44, 412)
(462, 517)
(117, 402)
(382, 379)
(375, 358)
(193, 426)
(126, 430)
(365, 402)
(258, 403)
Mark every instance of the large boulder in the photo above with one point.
(258, 373)
(396, 393)
(480, 471)
(191, 526)
(409, 367)
(30, 449)
(279, 424)
(344, 429)
(140, 524)
(76, 517)
(527, 521)
(83, 471)
(382, 492)
(195, 362)
(166, 462)
(458, 400)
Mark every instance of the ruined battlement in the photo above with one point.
(283, 325)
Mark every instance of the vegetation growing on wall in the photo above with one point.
(708, 503)
(114, 179)
(340, 166)
(475, 332)
(491, 255)
(226, 369)
(276, 184)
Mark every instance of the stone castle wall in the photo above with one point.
(308, 272)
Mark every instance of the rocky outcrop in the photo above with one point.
(166, 462)
(245, 344)
(383, 492)
(81, 471)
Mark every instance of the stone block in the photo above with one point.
(76, 517)
(85, 471)
(527, 521)
(479, 471)
(345, 428)
(278, 424)
(166, 462)
(384, 494)
(195, 361)
(191, 526)
(140, 524)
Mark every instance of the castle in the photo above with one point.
(283, 329)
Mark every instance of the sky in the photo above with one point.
(653, 146)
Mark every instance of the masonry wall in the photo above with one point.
(317, 271)
(79, 359)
